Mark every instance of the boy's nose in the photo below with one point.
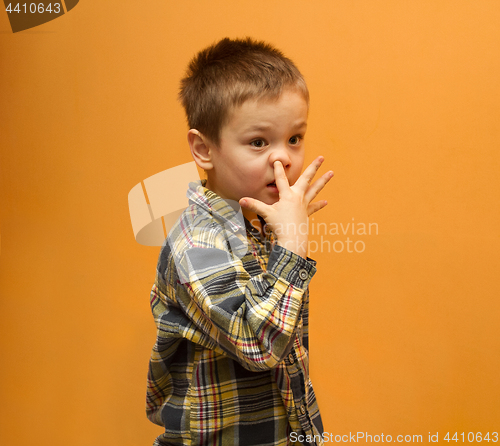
(282, 156)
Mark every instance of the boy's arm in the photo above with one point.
(251, 317)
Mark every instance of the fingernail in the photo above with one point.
(243, 202)
(330, 174)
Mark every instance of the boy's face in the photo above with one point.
(258, 133)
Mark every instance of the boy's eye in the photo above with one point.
(258, 143)
(295, 139)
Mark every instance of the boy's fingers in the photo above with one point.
(280, 176)
(308, 174)
(315, 207)
(319, 184)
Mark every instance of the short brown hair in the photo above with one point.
(228, 73)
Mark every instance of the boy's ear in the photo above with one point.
(201, 149)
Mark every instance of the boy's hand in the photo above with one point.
(288, 217)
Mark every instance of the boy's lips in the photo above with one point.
(272, 187)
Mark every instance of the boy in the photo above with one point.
(230, 300)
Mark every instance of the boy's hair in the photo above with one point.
(226, 74)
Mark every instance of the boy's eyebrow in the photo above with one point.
(264, 127)
(258, 128)
(301, 124)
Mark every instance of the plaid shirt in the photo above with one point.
(230, 364)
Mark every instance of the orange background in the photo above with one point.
(405, 109)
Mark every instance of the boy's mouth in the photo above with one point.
(271, 187)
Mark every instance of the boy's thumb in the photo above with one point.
(246, 203)
(251, 204)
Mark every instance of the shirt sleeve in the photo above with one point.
(250, 314)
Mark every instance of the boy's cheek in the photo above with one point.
(295, 177)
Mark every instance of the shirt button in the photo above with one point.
(303, 409)
(290, 358)
(303, 274)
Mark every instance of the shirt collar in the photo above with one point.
(223, 210)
